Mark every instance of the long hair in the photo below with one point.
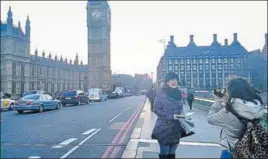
(240, 88)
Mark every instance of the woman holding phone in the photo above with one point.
(245, 101)
(168, 105)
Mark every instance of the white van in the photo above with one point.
(96, 94)
(120, 91)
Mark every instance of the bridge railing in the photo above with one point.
(206, 103)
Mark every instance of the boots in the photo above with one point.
(171, 156)
(163, 156)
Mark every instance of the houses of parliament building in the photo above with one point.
(206, 67)
(22, 71)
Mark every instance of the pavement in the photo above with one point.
(203, 144)
(96, 130)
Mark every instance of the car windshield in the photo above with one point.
(29, 92)
(33, 96)
(93, 91)
(69, 93)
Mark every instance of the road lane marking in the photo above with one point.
(110, 149)
(117, 149)
(64, 143)
(77, 146)
(89, 131)
(115, 117)
(32, 157)
(208, 144)
(126, 108)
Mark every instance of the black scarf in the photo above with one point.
(174, 93)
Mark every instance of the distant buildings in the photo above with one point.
(21, 71)
(136, 83)
(206, 67)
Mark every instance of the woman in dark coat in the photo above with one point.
(168, 103)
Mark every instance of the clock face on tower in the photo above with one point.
(95, 14)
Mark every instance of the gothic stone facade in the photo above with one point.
(99, 27)
(21, 71)
(204, 67)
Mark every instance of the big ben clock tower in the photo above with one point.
(99, 59)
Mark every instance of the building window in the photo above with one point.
(200, 67)
(194, 61)
(194, 67)
(206, 61)
(176, 67)
(225, 60)
(213, 60)
(14, 70)
(188, 61)
(213, 67)
(220, 67)
(232, 60)
(13, 90)
(188, 67)
(200, 61)
(169, 68)
(182, 62)
(169, 62)
(219, 60)
(176, 61)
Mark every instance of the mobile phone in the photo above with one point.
(220, 92)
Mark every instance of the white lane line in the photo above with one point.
(126, 108)
(64, 143)
(89, 131)
(181, 143)
(115, 117)
(73, 149)
(32, 157)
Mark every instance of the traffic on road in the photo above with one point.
(91, 130)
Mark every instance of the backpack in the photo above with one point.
(254, 142)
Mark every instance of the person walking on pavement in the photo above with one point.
(184, 96)
(190, 99)
(168, 103)
(240, 98)
(151, 96)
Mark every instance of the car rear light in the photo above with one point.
(29, 103)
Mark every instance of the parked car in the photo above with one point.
(6, 102)
(57, 95)
(113, 95)
(36, 102)
(32, 92)
(97, 94)
(76, 97)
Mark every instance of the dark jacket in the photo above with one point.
(167, 130)
(190, 96)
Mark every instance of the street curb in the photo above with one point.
(132, 146)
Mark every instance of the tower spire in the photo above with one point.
(9, 17)
(28, 27)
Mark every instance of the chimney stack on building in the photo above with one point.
(235, 37)
(225, 42)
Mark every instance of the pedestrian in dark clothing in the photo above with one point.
(151, 96)
(190, 99)
(168, 103)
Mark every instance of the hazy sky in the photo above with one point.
(137, 27)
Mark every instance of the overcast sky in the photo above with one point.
(60, 27)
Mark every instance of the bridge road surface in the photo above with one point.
(86, 131)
